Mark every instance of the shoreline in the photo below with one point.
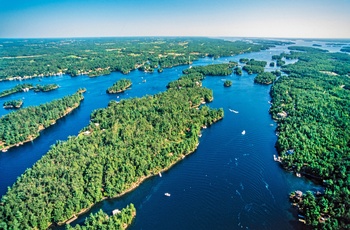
(121, 90)
(41, 128)
(133, 186)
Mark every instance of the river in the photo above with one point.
(229, 182)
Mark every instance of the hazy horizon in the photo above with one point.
(323, 19)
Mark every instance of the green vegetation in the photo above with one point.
(45, 88)
(212, 70)
(265, 78)
(16, 89)
(312, 107)
(238, 71)
(13, 104)
(124, 144)
(227, 83)
(271, 42)
(36, 58)
(272, 64)
(253, 66)
(25, 124)
(187, 81)
(256, 63)
(345, 49)
(119, 86)
(101, 220)
(243, 60)
(26, 87)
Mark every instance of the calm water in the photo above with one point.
(230, 182)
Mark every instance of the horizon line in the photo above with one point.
(181, 36)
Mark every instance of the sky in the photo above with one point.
(213, 18)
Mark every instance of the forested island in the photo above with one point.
(265, 78)
(34, 58)
(119, 86)
(311, 106)
(25, 124)
(212, 70)
(124, 144)
(26, 87)
(253, 66)
(228, 83)
(13, 104)
(345, 49)
(45, 88)
(18, 88)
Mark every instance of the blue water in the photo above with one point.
(230, 182)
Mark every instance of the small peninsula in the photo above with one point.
(34, 119)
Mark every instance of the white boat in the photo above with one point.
(243, 132)
(160, 174)
(167, 194)
(233, 111)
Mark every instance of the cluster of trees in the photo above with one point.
(119, 86)
(25, 124)
(34, 58)
(13, 104)
(101, 220)
(227, 83)
(345, 49)
(124, 143)
(253, 66)
(212, 70)
(312, 107)
(26, 87)
(45, 88)
(265, 78)
(187, 81)
(238, 71)
(18, 88)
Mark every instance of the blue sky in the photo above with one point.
(243, 18)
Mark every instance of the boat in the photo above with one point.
(167, 194)
(243, 132)
(233, 111)
(160, 174)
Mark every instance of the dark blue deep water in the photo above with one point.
(230, 182)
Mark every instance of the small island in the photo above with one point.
(254, 66)
(18, 88)
(227, 83)
(213, 69)
(119, 86)
(13, 104)
(238, 71)
(265, 78)
(45, 88)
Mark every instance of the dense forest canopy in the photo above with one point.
(119, 86)
(13, 104)
(265, 78)
(25, 124)
(212, 70)
(34, 58)
(312, 107)
(124, 144)
(101, 220)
